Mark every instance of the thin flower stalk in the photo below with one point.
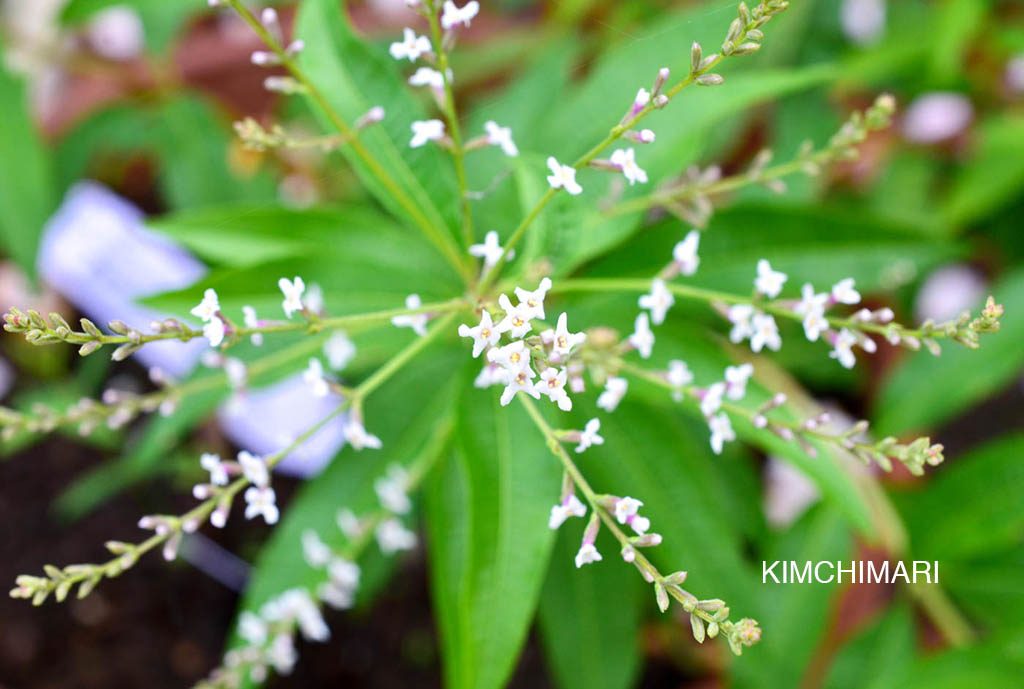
(708, 617)
(59, 582)
(743, 38)
(435, 235)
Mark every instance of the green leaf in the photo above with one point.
(412, 414)
(994, 174)
(161, 20)
(967, 668)
(795, 617)
(988, 588)
(354, 77)
(590, 617)
(917, 395)
(886, 646)
(486, 509)
(27, 194)
(240, 235)
(971, 507)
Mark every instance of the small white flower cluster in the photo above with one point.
(272, 23)
(417, 322)
(733, 388)
(339, 590)
(509, 365)
(749, 322)
(625, 511)
(812, 307)
(269, 637)
(216, 325)
(260, 498)
(414, 47)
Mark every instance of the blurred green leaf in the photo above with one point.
(971, 507)
(966, 668)
(887, 646)
(486, 509)
(27, 194)
(956, 24)
(796, 616)
(918, 393)
(988, 588)
(411, 414)
(994, 174)
(161, 20)
(113, 134)
(354, 77)
(590, 617)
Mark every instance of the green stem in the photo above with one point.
(436, 236)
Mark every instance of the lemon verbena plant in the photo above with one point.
(539, 375)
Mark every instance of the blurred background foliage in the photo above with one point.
(140, 96)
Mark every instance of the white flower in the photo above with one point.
(214, 331)
(424, 131)
(511, 357)
(563, 177)
(316, 552)
(740, 316)
(251, 321)
(490, 251)
(721, 432)
(815, 323)
(425, 76)
(391, 490)
(261, 502)
(842, 348)
(357, 436)
(863, 21)
(281, 654)
(625, 508)
(252, 628)
(411, 47)
(766, 333)
(685, 253)
(453, 16)
(344, 572)
(337, 596)
(552, 384)
(314, 378)
(810, 301)
(534, 300)
(586, 555)
(643, 97)
(625, 160)
(208, 307)
(349, 523)
(658, 302)
(393, 537)
(570, 507)
(679, 376)
(314, 299)
(292, 291)
(416, 321)
(484, 334)
(614, 391)
(736, 378)
(519, 380)
(491, 374)
(844, 293)
(218, 470)
(339, 350)
(501, 136)
(562, 341)
(642, 338)
(711, 400)
(589, 435)
(769, 282)
(517, 318)
(299, 606)
(254, 469)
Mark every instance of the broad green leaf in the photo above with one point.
(99, 145)
(971, 507)
(988, 588)
(887, 645)
(412, 414)
(956, 24)
(486, 509)
(918, 394)
(353, 77)
(985, 666)
(242, 235)
(27, 194)
(994, 174)
(795, 616)
(590, 617)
